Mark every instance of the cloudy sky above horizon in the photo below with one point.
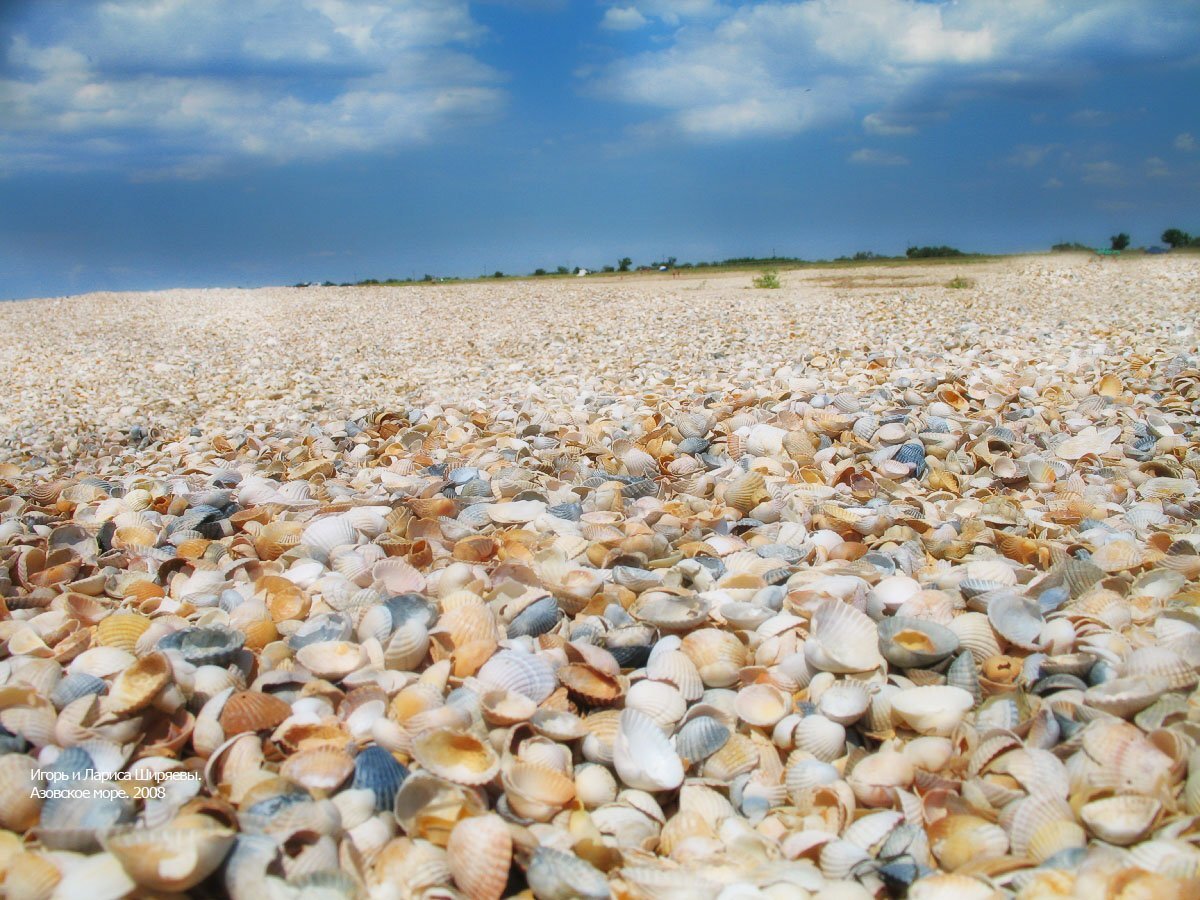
(156, 143)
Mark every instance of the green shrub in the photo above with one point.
(769, 279)
(958, 283)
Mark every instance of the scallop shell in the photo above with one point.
(479, 853)
(456, 756)
(822, 737)
(377, 771)
(643, 757)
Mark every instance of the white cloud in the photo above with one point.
(1185, 142)
(623, 18)
(174, 89)
(1052, 184)
(783, 67)
(674, 12)
(868, 157)
(877, 123)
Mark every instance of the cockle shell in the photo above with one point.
(479, 853)
(933, 709)
(643, 757)
(174, 858)
(456, 756)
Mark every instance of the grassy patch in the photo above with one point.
(958, 282)
(769, 279)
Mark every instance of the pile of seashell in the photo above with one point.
(881, 632)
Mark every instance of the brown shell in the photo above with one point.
(591, 686)
(253, 711)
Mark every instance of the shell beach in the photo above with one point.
(646, 588)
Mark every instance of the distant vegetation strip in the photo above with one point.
(1173, 237)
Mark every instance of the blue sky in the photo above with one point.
(157, 143)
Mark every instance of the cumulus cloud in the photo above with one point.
(775, 67)
(623, 18)
(178, 89)
(1185, 142)
(869, 157)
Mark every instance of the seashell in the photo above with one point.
(331, 660)
(643, 757)
(522, 673)
(1159, 662)
(594, 785)
(844, 702)
(717, 655)
(321, 768)
(762, 705)
(31, 876)
(668, 612)
(746, 492)
(326, 534)
(377, 771)
(963, 674)
(136, 687)
(959, 840)
(174, 858)
(933, 709)
(555, 875)
(1125, 697)
(536, 791)
(1121, 820)
(429, 807)
(975, 635)
(1055, 837)
(252, 711)
(122, 630)
(205, 646)
(20, 809)
(537, 618)
(915, 643)
(842, 640)
(591, 686)
(822, 737)
(72, 687)
(675, 667)
(479, 853)
(659, 700)
(1016, 620)
(456, 756)
(699, 738)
